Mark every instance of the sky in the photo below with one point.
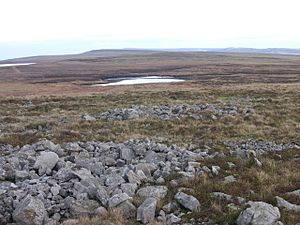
(34, 27)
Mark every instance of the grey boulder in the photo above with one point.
(30, 211)
(187, 201)
(118, 199)
(287, 205)
(46, 162)
(157, 192)
(146, 211)
(259, 213)
(84, 208)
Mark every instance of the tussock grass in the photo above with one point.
(275, 117)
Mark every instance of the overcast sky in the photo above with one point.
(30, 27)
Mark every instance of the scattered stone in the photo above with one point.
(129, 188)
(295, 193)
(84, 208)
(287, 205)
(146, 211)
(229, 198)
(81, 178)
(30, 211)
(127, 210)
(172, 219)
(133, 177)
(118, 199)
(46, 162)
(215, 170)
(88, 118)
(158, 192)
(259, 213)
(21, 175)
(229, 179)
(187, 201)
(114, 180)
(165, 112)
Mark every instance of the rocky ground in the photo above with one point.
(59, 182)
(186, 156)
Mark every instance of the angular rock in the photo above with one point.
(46, 162)
(187, 201)
(215, 170)
(30, 211)
(127, 210)
(129, 189)
(114, 180)
(229, 179)
(133, 178)
(118, 199)
(172, 219)
(295, 193)
(84, 208)
(146, 211)
(126, 154)
(153, 157)
(102, 195)
(157, 192)
(259, 213)
(147, 168)
(88, 118)
(21, 175)
(287, 205)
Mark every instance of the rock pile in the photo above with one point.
(166, 112)
(45, 183)
(53, 183)
(251, 147)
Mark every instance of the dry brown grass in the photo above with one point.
(112, 217)
(276, 118)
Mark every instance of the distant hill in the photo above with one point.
(132, 51)
(286, 51)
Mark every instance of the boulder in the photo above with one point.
(146, 211)
(46, 162)
(259, 213)
(129, 188)
(127, 210)
(88, 118)
(295, 193)
(287, 205)
(114, 180)
(118, 199)
(30, 211)
(133, 178)
(187, 201)
(84, 208)
(126, 154)
(147, 168)
(157, 192)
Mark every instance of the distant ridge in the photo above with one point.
(286, 51)
(128, 51)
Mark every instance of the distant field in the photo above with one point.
(74, 73)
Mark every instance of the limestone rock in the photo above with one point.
(157, 192)
(287, 205)
(30, 211)
(84, 208)
(146, 211)
(46, 162)
(259, 213)
(187, 201)
(118, 199)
